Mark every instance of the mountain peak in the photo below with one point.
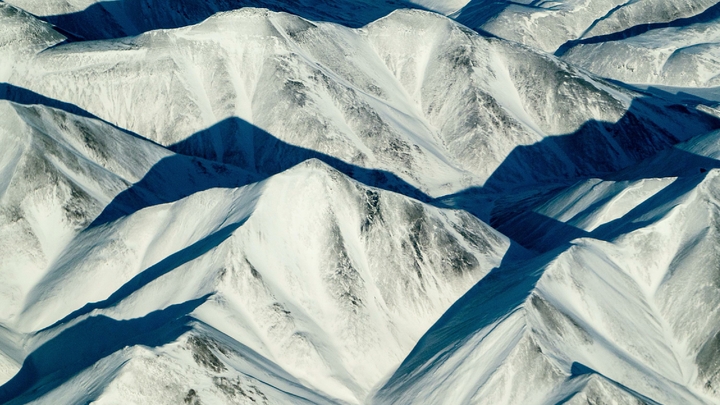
(393, 201)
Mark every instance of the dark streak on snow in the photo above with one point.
(202, 352)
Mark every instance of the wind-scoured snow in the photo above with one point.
(358, 203)
(643, 41)
(629, 305)
(674, 45)
(686, 56)
(548, 25)
(357, 274)
(439, 108)
(22, 36)
(598, 309)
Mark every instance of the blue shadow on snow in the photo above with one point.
(82, 345)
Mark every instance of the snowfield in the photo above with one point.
(381, 202)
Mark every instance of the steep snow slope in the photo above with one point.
(324, 283)
(549, 25)
(54, 181)
(425, 111)
(546, 218)
(686, 56)
(597, 29)
(544, 25)
(22, 36)
(646, 41)
(202, 214)
(92, 19)
(627, 313)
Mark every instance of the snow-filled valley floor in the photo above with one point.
(366, 202)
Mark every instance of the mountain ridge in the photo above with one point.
(267, 208)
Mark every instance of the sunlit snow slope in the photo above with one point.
(309, 272)
(627, 312)
(684, 55)
(354, 203)
(670, 42)
(413, 102)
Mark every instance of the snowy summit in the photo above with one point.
(360, 202)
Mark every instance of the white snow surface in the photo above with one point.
(625, 315)
(355, 276)
(413, 94)
(547, 25)
(262, 207)
(667, 42)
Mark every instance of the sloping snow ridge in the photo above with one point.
(683, 56)
(663, 42)
(632, 307)
(386, 97)
(386, 202)
(316, 307)
(548, 25)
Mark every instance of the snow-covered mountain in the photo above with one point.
(683, 54)
(548, 25)
(315, 307)
(439, 107)
(667, 42)
(357, 202)
(625, 313)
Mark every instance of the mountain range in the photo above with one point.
(381, 202)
